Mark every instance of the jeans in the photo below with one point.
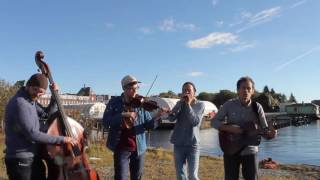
(248, 163)
(186, 155)
(25, 168)
(125, 160)
(19, 168)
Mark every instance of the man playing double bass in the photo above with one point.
(240, 111)
(22, 129)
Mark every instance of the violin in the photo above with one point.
(138, 102)
(143, 102)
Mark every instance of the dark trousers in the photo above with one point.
(248, 163)
(125, 160)
(25, 168)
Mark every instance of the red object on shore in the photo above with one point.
(268, 163)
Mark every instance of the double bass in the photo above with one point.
(65, 161)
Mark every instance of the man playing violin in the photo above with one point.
(22, 129)
(127, 125)
(240, 111)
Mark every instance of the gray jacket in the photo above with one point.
(188, 121)
(238, 114)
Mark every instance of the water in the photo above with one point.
(292, 145)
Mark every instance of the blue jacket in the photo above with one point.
(112, 120)
(22, 127)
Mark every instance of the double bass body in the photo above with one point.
(66, 162)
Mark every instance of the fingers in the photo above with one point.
(132, 115)
(70, 140)
(164, 110)
(127, 123)
(54, 86)
(188, 98)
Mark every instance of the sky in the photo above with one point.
(209, 42)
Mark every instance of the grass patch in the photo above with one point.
(159, 165)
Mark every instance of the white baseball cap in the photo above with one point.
(128, 80)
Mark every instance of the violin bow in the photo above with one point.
(152, 85)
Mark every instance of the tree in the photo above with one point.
(292, 99)
(283, 98)
(6, 92)
(272, 92)
(223, 96)
(266, 89)
(169, 94)
(206, 96)
(265, 100)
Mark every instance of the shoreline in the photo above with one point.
(159, 164)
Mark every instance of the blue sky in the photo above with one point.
(209, 42)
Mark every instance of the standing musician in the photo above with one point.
(188, 113)
(22, 133)
(238, 112)
(127, 125)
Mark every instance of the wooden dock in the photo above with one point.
(284, 120)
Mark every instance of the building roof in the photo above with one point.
(85, 91)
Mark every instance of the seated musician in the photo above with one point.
(238, 112)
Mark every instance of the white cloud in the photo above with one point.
(290, 61)
(298, 4)
(170, 25)
(215, 38)
(265, 15)
(214, 2)
(195, 73)
(242, 47)
(145, 30)
(250, 20)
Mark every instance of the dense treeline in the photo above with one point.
(7, 90)
(269, 99)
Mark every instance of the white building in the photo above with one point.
(90, 111)
(170, 103)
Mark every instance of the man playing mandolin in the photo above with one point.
(240, 113)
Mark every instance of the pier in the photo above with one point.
(280, 120)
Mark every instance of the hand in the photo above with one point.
(162, 111)
(271, 133)
(69, 140)
(187, 98)
(129, 115)
(127, 123)
(54, 86)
